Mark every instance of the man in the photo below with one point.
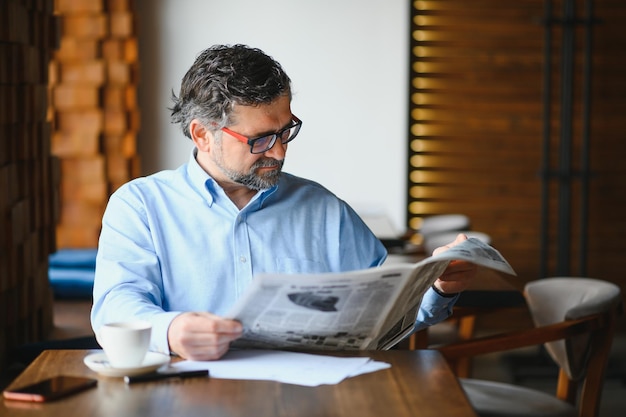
(179, 247)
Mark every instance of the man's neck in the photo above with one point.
(238, 194)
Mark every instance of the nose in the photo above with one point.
(277, 151)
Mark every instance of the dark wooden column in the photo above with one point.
(28, 173)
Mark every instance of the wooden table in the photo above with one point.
(419, 383)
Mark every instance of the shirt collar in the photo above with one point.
(208, 187)
(199, 178)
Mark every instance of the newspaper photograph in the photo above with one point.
(357, 310)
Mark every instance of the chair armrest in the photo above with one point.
(521, 338)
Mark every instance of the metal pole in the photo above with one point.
(545, 161)
(584, 160)
(565, 144)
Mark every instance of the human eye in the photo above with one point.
(261, 144)
(285, 133)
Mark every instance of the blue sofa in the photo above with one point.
(71, 273)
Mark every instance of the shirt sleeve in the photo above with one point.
(434, 309)
(359, 248)
(127, 280)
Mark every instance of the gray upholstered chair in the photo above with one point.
(574, 319)
(440, 223)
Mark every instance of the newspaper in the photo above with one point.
(367, 309)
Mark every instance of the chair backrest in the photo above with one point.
(552, 300)
(575, 320)
(443, 223)
(584, 356)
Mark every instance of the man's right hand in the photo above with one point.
(202, 336)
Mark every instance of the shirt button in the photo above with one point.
(242, 259)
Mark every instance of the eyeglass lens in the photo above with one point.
(264, 143)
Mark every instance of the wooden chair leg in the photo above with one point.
(466, 325)
(419, 340)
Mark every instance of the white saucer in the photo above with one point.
(99, 363)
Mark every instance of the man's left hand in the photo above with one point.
(459, 274)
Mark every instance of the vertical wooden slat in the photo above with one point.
(476, 127)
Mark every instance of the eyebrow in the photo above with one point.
(272, 131)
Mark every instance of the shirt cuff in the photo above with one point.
(160, 325)
(434, 308)
(443, 294)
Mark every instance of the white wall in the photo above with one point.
(348, 63)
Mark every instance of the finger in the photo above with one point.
(202, 335)
(207, 338)
(459, 238)
(204, 351)
(203, 346)
(451, 287)
(206, 322)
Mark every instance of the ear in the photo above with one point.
(201, 136)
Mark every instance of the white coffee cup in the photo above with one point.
(125, 343)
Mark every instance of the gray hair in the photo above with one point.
(222, 76)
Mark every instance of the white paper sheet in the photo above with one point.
(287, 367)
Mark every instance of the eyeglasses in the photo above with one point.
(264, 143)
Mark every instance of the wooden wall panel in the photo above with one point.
(28, 173)
(476, 126)
(81, 107)
(94, 112)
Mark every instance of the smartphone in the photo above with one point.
(50, 389)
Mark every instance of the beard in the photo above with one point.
(251, 179)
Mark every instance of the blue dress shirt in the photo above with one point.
(174, 242)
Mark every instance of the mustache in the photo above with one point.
(268, 162)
